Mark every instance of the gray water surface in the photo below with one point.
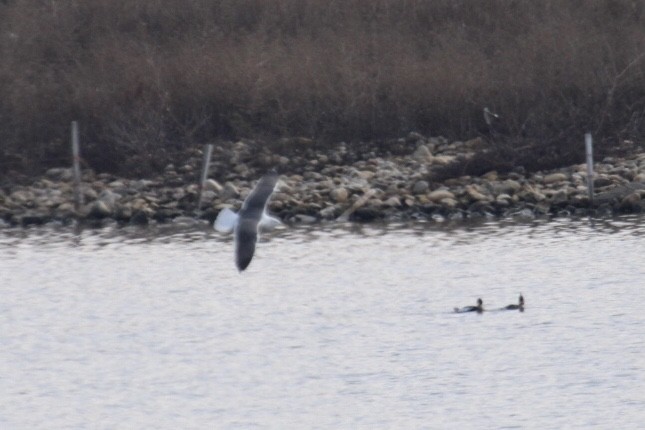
(330, 327)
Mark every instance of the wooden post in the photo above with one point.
(76, 159)
(589, 153)
(205, 165)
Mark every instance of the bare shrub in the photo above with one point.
(149, 79)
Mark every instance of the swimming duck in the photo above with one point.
(519, 306)
(479, 308)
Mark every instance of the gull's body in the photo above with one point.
(248, 221)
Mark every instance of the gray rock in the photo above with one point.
(118, 184)
(139, 218)
(560, 197)
(531, 195)
(184, 220)
(89, 193)
(22, 197)
(440, 194)
(366, 214)
(242, 170)
(123, 212)
(330, 212)
(392, 202)
(542, 208)
(525, 213)
(281, 160)
(503, 200)
(142, 184)
(491, 176)
(33, 218)
(209, 196)
(339, 195)
(365, 174)
(109, 196)
(60, 174)
(443, 160)
(508, 186)
(420, 187)
(230, 191)
(554, 178)
(305, 219)
(631, 202)
(602, 181)
(139, 204)
(449, 202)
(312, 176)
(414, 136)
(422, 154)
(65, 210)
(475, 194)
(100, 209)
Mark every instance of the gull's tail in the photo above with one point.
(226, 221)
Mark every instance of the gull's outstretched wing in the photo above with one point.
(246, 231)
(246, 236)
(256, 201)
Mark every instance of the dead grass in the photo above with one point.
(148, 79)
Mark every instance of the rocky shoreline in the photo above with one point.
(329, 185)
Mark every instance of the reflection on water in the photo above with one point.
(330, 327)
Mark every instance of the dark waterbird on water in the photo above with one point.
(249, 220)
(519, 306)
(479, 308)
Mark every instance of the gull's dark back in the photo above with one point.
(246, 232)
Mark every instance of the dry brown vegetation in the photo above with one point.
(149, 78)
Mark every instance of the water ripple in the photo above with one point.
(330, 327)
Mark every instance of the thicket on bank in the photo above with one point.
(149, 79)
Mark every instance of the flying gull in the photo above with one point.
(249, 220)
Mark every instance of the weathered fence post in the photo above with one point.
(205, 166)
(589, 152)
(76, 159)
